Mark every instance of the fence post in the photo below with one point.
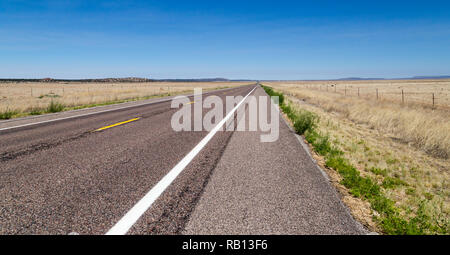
(345, 90)
(433, 100)
(377, 93)
(335, 87)
(403, 97)
(358, 92)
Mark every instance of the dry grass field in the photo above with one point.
(35, 97)
(405, 148)
(424, 92)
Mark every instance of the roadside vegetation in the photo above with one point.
(423, 127)
(55, 106)
(7, 114)
(401, 199)
(28, 98)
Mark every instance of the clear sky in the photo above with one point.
(231, 39)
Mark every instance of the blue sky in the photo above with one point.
(231, 39)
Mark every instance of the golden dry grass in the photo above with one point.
(414, 91)
(22, 97)
(420, 126)
(410, 143)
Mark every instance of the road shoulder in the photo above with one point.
(269, 188)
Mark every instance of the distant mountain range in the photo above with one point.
(407, 78)
(358, 79)
(432, 77)
(369, 79)
(137, 79)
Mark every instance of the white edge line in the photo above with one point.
(110, 110)
(133, 215)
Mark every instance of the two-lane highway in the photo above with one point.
(125, 170)
(61, 177)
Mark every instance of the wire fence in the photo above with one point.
(434, 99)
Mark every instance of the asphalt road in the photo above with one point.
(60, 177)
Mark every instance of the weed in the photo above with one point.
(54, 107)
(428, 196)
(392, 182)
(35, 111)
(378, 171)
(410, 191)
(7, 114)
(51, 95)
(305, 121)
(321, 144)
(391, 161)
(358, 186)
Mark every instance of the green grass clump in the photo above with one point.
(392, 182)
(55, 107)
(359, 186)
(7, 114)
(36, 111)
(288, 110)
(305, 121)
(378, 171)
(321, 144)
(51, 95)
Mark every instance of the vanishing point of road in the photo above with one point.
(122, 169)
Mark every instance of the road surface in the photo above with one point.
(58, 175)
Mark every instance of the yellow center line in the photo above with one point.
(117, 124)
(191, 102)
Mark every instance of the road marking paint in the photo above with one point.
(130, 218)
(117, 124)
(190, 103)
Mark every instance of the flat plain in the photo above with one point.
(24, 98)
(425, 92)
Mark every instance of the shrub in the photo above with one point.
(305, 121)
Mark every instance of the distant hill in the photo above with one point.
(194, 80)
(406, 78)
(137, 79)
(358, 79)
(127, 79)
(110, 80)
(432, 77)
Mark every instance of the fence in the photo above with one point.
(401, 95)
